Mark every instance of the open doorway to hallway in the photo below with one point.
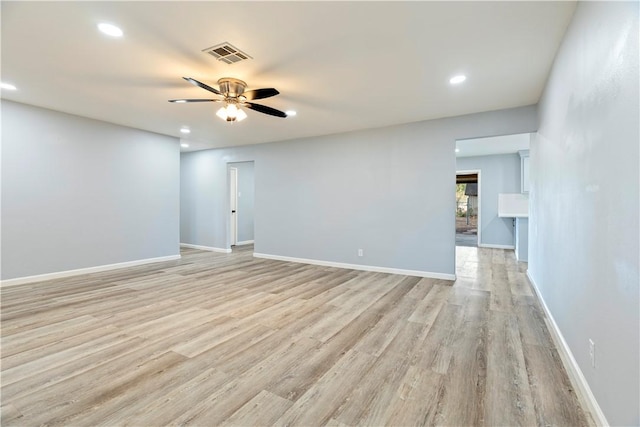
(467, 208)
(502, 167)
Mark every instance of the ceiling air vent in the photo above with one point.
(226, 52)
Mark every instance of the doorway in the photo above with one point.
(241, 205)
(233, 205)
(467, 208)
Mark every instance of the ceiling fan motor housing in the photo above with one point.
(231, 87)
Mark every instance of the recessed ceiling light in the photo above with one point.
(457, 150)
(7, 86)
(183, 145)
(185, 130)
(457, 79)
(290, 113)
(110, 30)
(180, 101)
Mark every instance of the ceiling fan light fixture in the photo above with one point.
(222, 113)
(231, 113)
(241, 115)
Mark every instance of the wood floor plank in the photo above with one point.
(220, 330)
(171, 403)
(265, 302)
(545, 374)
(428, 309)
(227, 339)
(379, 338)
(171, 324)
(335, 423)
(140, 314)
(532, 326)
(22, 365)
(9, 415)
(51, 312)
(120, 403)
(318, 404)
(237, 362)
(508, 395)
(71, 409)
(263, 410)
(422, 288)
(46, 334)
(284, 313)
(437, 347)
(519, 284)
(55, 374)
(303, 374)
(417, 400)
(375, 392)
(319, 286)
(239, 389)
(501, 297)
(466, 376)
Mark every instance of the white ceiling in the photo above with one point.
(492, 145)
(341, 65)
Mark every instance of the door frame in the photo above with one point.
(473, 172)
(233, 219)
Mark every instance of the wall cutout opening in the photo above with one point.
(501, 163)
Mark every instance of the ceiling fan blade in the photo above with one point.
(180, 101)
(260, 93)
(266, 110)
(202, 85)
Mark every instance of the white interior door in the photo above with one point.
(233, 203)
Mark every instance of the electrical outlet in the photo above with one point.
(360, 252)
(592, 353)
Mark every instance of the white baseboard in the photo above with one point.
(87, 270)
(418, 273)
(206, 248)
(490, 246)
(573, 369)
(245, 242)
(518, 258)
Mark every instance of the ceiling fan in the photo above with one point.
(234, 96)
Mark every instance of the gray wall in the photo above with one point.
(389, 191)
(246, 193)
(583, 251)
(498, 174)
(80, 193)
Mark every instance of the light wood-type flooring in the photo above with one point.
(226, 339)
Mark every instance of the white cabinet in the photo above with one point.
(524, 171)
(513, 205)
